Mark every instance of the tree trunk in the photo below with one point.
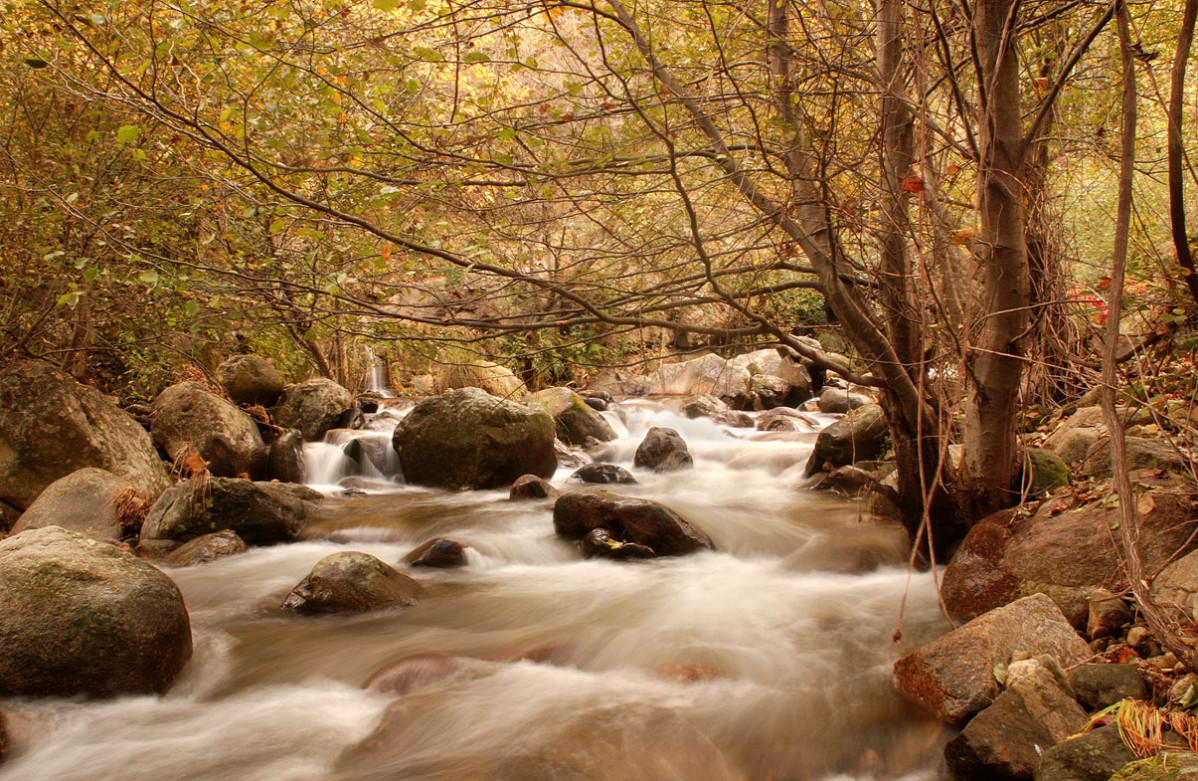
(994, 364)
(1177, 211)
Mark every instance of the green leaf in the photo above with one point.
(416, 5)
(90, 274)
(127, 134)
(149, 278)
(476, 57)
(386, 5)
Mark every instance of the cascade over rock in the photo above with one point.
(50, 426)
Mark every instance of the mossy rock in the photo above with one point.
(1165, 766)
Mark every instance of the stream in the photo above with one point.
(767, 659)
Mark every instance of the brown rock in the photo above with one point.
(953, 677)
(189, 419)
(628, 520)
(439, 552)
(532, 487)
(1004, 741)
(85, 501)
(352, 582)
(663, 450)
(204, 549)
(1108, 614)
(1098, 686)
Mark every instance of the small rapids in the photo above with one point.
(767, 659)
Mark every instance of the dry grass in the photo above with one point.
(131, 506)
(1146, 729)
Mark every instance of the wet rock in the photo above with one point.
(250, 379)
(189, 419)
(1004, 741)
(1153, 454)
(314, 407)
(51, 426)
(788, 379)
(704, 406)
(1091, 756)
(260, 513)
(469, 439)
(952, 676)
(532, 487)
(352, 582)
(82, 617)
(662, 450)
(1063, 551)
(285, 458)
(707, 374)
(628, 520)
(838, 401)
(89, 501)
(602, 473)
(440, 552)
(1107, 616)
(859, 435)
(768, 392)
(416, 673)
(1165, 766)
(1100, 685)
(202, 550)
(598, 543)
(575, 420)
(854, 550)
(733, 419)
(488, 376)
(785, 419)
(596, 403)
(1043, 472)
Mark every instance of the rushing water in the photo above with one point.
(763, 660)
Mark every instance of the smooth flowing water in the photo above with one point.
(763, 660)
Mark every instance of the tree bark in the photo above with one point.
(995, 362)
(1177, 211)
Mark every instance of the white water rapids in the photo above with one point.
(758, 661)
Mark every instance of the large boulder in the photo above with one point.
(1153, 454)
(89, 501)
(485, 375)
(51, 426)
(770, 363)
(709, 374)
(953, 676)
(250, 379)
(313, 407)
(1067, 554)
(839, 401)
(1005, 741)
(352, 582)
(575, 419)
(639, 521)
(663, 450)
(82, 617)
(858, 436)
(468, 438)
(189, 419)
(260, 513)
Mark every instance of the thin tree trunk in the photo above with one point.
(995, 364)
(1177, 211)
(1129, 531)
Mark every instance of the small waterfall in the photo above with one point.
(376, 375)
(365, 455)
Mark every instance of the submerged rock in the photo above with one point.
(51, 426)
(602, 473)
(628, 520)
(532, 487)
(416, 673)
(440, 552)
(352, 582)
(82, 617)
(469, 439)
